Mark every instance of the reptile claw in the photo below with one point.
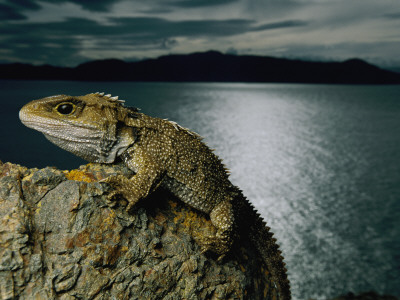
(220, 258)
(203, 250)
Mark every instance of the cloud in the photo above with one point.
(372, 52)
(232, 51)
(98, 5)
(199, 3)
(16, 9)
(55, 42)
(282, 24)
(90, 5)
(10, 13)
(64, 42)
(67, 32)
(13, 9)
(24, 4)
(394, 16)
(158, 27)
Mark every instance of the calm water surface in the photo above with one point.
(321, 163)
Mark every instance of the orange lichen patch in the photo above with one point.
(102, 229)
(100, 244)
(193, 222)
(187, 217)
(110, 219)
(79, 240)
(79, 175)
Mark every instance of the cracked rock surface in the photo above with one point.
(60, 238)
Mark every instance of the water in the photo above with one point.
(320, 162)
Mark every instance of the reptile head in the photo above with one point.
(90, 126)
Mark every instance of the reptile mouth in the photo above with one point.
(33, 122)
(25, 119)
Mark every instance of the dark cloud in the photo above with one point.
(232, 51)
(57, 51)
(92, 5)
(372, 52)
(41, 45)
(158, 10)
(12, 10)
(52, 29)
(61, 42)
(283, 24)
(28, 35)
(8, 13)
(199, 3)
(158, 27)
(24, 4)
(162, 28)
(55, 42)
(392, 15)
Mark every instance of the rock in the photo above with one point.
(60, 238)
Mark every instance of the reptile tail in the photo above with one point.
(254, 226)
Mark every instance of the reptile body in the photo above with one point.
(99, 128)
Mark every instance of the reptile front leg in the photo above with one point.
(147, 178)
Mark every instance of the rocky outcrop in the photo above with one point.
(60, 238)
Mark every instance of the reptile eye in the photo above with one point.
(65, 108)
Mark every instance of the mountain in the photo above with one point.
(210, 66)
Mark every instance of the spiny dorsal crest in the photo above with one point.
(179, 127)
(135, 109)
(109, 97)
(115, 99)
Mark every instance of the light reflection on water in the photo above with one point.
(301, 157)
(321, 163)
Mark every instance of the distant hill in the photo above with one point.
(210, 66)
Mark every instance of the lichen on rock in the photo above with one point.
(60, 238)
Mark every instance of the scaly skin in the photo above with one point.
(99, 128)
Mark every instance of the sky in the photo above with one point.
(70, 32)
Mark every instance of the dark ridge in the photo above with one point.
(108, 69)
(211, 66)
